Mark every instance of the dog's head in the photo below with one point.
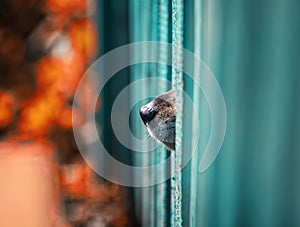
(159, 116)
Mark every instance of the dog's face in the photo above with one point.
(159, 116)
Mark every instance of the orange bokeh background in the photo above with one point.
(44, 180)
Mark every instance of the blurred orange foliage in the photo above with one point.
(45, 47)
(65, 119)
(66, 6)
(6, 108)
(83, 38)
(38, 115)
(73, 71)
(74, 180)
(49, 71)
(60, 74)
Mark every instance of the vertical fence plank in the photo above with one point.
(177, 83)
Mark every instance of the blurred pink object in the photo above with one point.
(28, 185)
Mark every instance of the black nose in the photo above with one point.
(147, 114)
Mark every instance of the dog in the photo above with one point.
(159, 116)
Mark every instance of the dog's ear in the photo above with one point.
(169, 96)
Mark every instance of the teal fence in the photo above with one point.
(252, 48)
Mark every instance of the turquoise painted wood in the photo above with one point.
(252, 48)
